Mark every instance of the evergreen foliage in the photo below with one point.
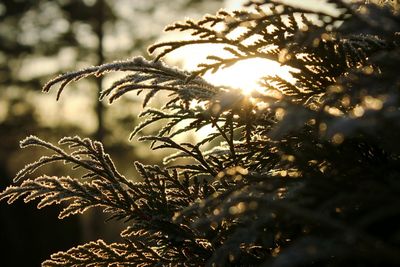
(309, 178)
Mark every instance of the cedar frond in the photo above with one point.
(79, 196)
(86, 154)
(147, 75)
(99, 253)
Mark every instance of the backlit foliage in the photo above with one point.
(302, 173)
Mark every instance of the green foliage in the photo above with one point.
(311, 178)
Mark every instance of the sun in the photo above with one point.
(246, 74)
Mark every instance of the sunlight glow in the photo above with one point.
(246, 74)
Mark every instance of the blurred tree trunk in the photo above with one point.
(93, 224)
(99, 30)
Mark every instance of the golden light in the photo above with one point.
(246, 74)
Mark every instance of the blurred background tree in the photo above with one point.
(38, 40)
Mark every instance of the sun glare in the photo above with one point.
(246, 74)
